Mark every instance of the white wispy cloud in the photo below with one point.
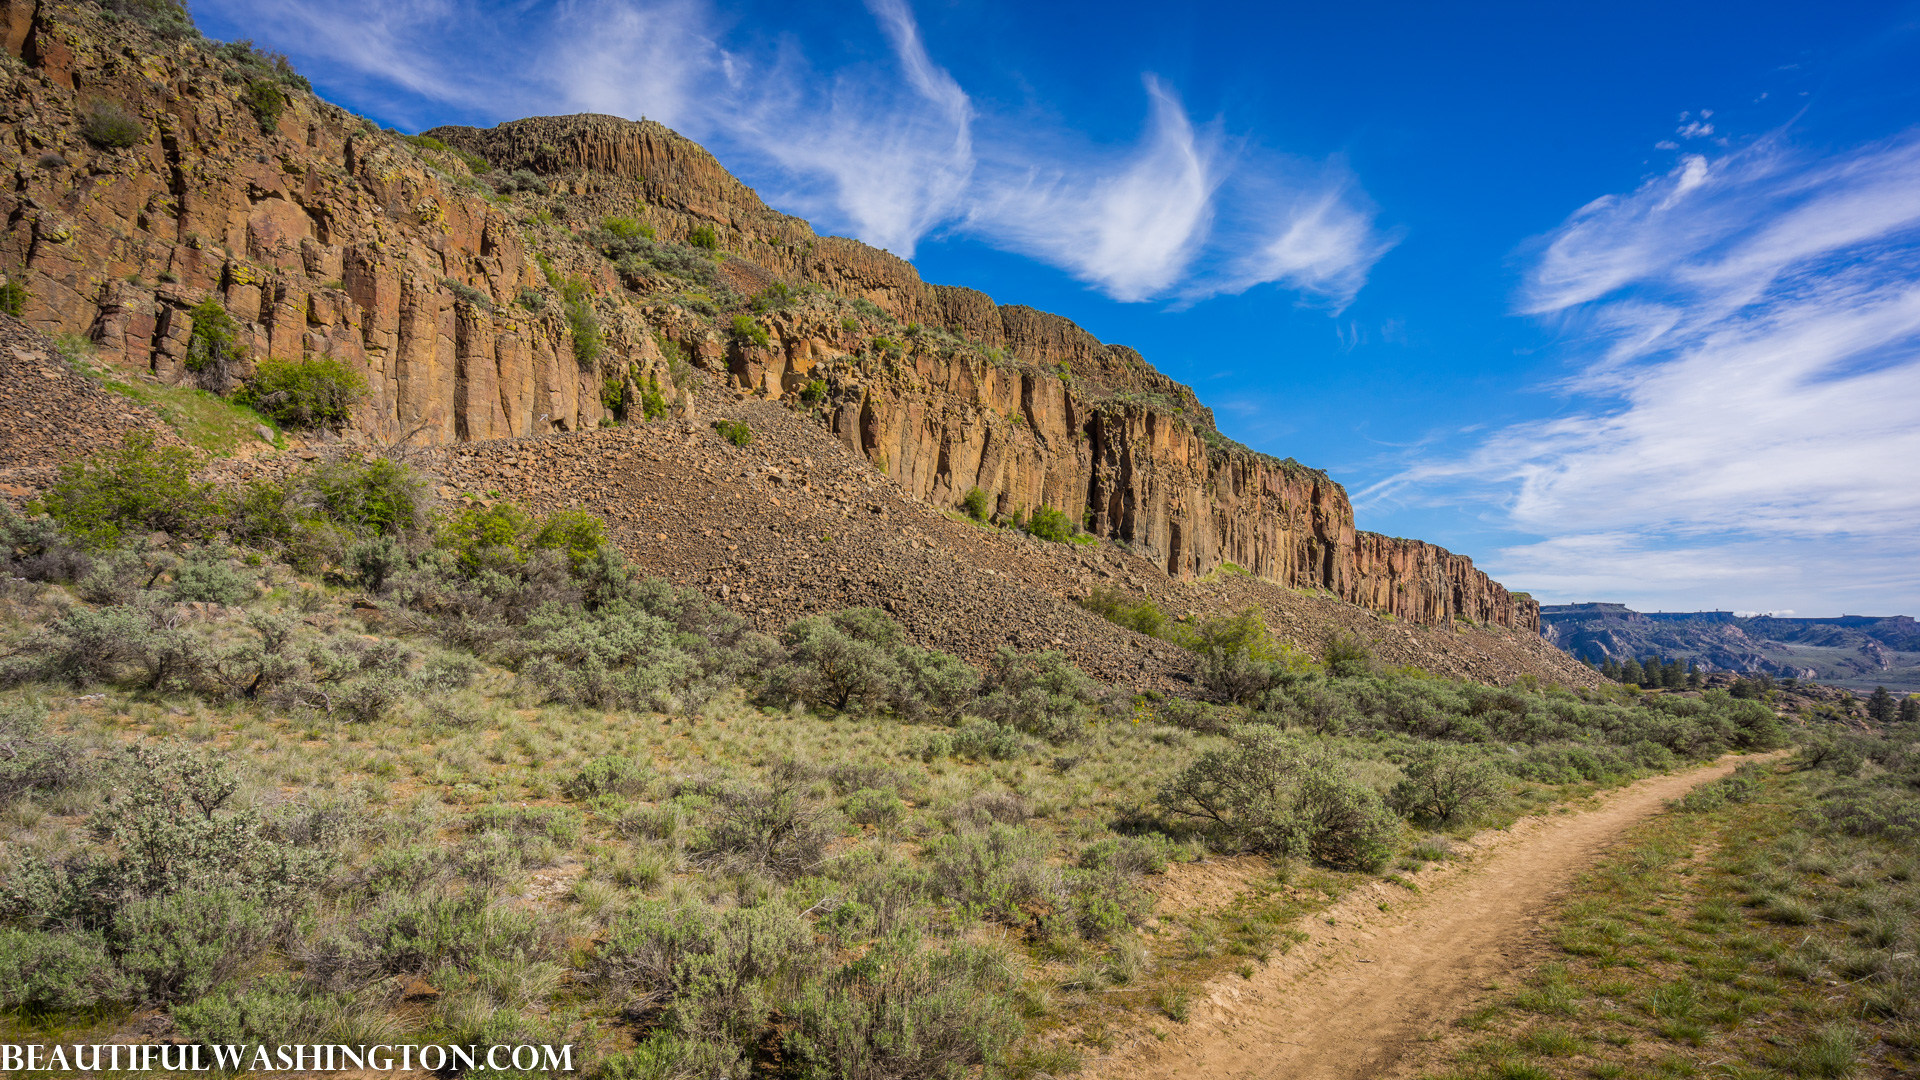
(1744, 413)
(1132, 224)
(886, 149)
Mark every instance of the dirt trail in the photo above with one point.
(1357, 997)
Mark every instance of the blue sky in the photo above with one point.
(1623, 300)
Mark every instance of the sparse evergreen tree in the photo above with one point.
(1695, 680)
(1630, 672)
(1672, 675)
(1881, 708)
(1910, 709)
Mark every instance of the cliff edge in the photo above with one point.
(542, 276)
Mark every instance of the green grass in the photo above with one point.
(202, 419)
(1676, 958)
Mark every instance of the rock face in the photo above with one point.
(464, 310)
(321, 235)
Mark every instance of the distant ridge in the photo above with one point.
(1856, 651)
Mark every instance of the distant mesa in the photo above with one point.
(1859, 652)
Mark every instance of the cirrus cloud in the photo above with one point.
(886, 149)
(1742, 413)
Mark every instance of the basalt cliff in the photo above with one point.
(552, 274)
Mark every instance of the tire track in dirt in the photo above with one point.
(1356, 998)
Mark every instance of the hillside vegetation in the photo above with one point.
(313, 759)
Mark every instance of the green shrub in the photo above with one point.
(653, 403)
(859, 660)
(164, 831)
(1127, 854)
(415, 932)
(1039, 693)
(139, 487)
(705, 974)
(609, 775)
(1142, 616)
(13, 297)
(774, 297)
(467, 294)
(627, 228)
(814, 392)
(1266, 793)
(57, 972)
(578, 535)
(1347, 655)
(589, 341)
(1239, 678)
(213, 345)
(316, 393)
(905, 1011)
(178, 946)
(381, 497)
(772, 830)
(997, 871)
(167, 18)
(31, 759)
(1442, 783)
(978, 739)
(266, 101)
(737, 432)
(747, 331)
(874, 806)
(207, 575)
(704, 238)
(1052, 525)
(482, 536)
(977, 504)
(272, 1011)
(520, 180)
(108, 125)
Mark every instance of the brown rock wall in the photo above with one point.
(326, 237)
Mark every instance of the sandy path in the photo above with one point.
(1357, 997)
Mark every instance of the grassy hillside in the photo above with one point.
(312, 760)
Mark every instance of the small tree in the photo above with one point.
(213, 346)
(1881, 708)
(1910, 709)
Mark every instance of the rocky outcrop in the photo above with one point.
(470, 314)
(319, 234)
